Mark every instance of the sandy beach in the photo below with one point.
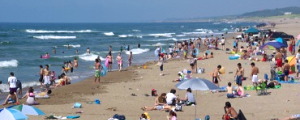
(116, 89)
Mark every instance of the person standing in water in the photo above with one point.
(128, 47)
(75, 62)
(97, 70)
(110, 49)
(120, 61)
(46, 74)
(76, 51)
(88, 51)
(130, 57)
(110, 61)
(54, 50)
(41, 79)
(139, 45)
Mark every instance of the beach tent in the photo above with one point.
(292, 60)
(12, 114)
(197, 84)
(274, 44)
(252, 30)
(281, 41)
(28, 110)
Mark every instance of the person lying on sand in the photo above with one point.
(159, 104)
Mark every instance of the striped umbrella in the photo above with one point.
(28, 110)
(12, 114)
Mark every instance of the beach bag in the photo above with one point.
(77, 105)
(178, 107)
(119, 117)
(201, 70)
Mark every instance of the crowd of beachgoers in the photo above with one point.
(254, 50)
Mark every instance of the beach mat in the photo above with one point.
(251, 87)
(289, 82)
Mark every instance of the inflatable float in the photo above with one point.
(45, 56)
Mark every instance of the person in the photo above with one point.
(254, 73)
(189, 98)
(273, 69)
(88, 51)
(75, 61)
(76, 52)
(54, 50)
(229, 91)
(130, 57)
(41, 79)
(172, 115)
(171, 97)
(97, 70)
(161, 64)
(211, 55)
(223, 43)
(12, 82)
(70, 66)
(52, 77)
(159, 104)
(239, 74)
(19, 87)
(143, 117)
(139, 45)
(292, 117)
(193, 62)
(292, 46)
(298, 62)
(215, 76)
(12, 98)
(180, 77)
(110, 61)
(120, 61)
(240, 91)
(46, 74)
(278, 58)
(286, 69)
(109, 49)
(30, 97)
(128, 47)
(230, 113)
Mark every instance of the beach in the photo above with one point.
(124, 92)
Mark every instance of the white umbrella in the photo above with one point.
(197, 84)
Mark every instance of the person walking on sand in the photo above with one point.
(120, 61)
(216, 75)
(130, 57)
(223, 43)
(254, 73)
(239, 75)
(97, 70)
(161, 64)
(286, 70)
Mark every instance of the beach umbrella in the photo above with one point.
(197, 84)
(298, 42)
(252, 30)
(274, 44)
(28, 110)
(281, 41)
(12, 114)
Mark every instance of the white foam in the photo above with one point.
(57, 31)
(156, 44)
(161, 34)
(136, 30)
(73, 46)
(130, 35)
(167, 39)
(9, 63)
(137, 51)
(5, 87)
(109, 33)
(89, 57)
(46, 37)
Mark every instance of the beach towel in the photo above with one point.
(73, 116)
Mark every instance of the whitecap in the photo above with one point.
(167, 39)
(137, 51)
(136, 30)
(46, 37)
(162, 34)
(89, 57)
(156, 44)
(109, 33)
(73, 46)
(9, 63)
(57, 31)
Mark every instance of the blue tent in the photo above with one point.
(281, 41)
(252, 30)
(275, 44)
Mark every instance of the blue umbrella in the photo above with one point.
(275, 44)
(281, 41)
(197, 84)
(252, 30)
(298, 42)
(12, 114)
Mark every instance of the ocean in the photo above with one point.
(22, 44)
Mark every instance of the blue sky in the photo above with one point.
(127, 10)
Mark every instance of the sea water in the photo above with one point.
(22, 44)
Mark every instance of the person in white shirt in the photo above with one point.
(223, 43)
(171, 97)
(12, 82)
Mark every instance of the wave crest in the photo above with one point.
(46, 37)
(57, 31)
(9, 63)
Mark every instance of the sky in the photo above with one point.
(111, 11)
